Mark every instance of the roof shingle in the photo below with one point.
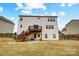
(6, 20)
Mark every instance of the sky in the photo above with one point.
(65, 11)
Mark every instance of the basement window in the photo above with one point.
(34, 35)
(54, 35)
(46, 36)
(38, 35)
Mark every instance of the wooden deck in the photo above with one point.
(24, 36)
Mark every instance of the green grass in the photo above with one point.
(40, 48)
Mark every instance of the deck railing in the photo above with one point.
(33, 29)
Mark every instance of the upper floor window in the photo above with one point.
(49, 27)
(38, 17)
(35, 26)
(21, 19)
(48, 19)
(21, 26)
(51, 19)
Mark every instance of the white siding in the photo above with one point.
(43, 21)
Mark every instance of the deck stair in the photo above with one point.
(24, 36)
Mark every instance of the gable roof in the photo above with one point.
(73, 20)
(36, 16)
(6, 20)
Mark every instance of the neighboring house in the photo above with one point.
(71, 28)
(6, 26)
(39, 27)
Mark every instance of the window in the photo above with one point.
(38, 17)
(51, 19)
(21, 26)
(38, 35)
(21, 19)
(35, 26)
(49, 27)
(48, 19)
(54, 35)
(46, 36)
(34, 35)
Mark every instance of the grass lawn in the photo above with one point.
(40, 48)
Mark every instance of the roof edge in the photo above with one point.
(7, 20)
(35, 16)
(71, 21)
